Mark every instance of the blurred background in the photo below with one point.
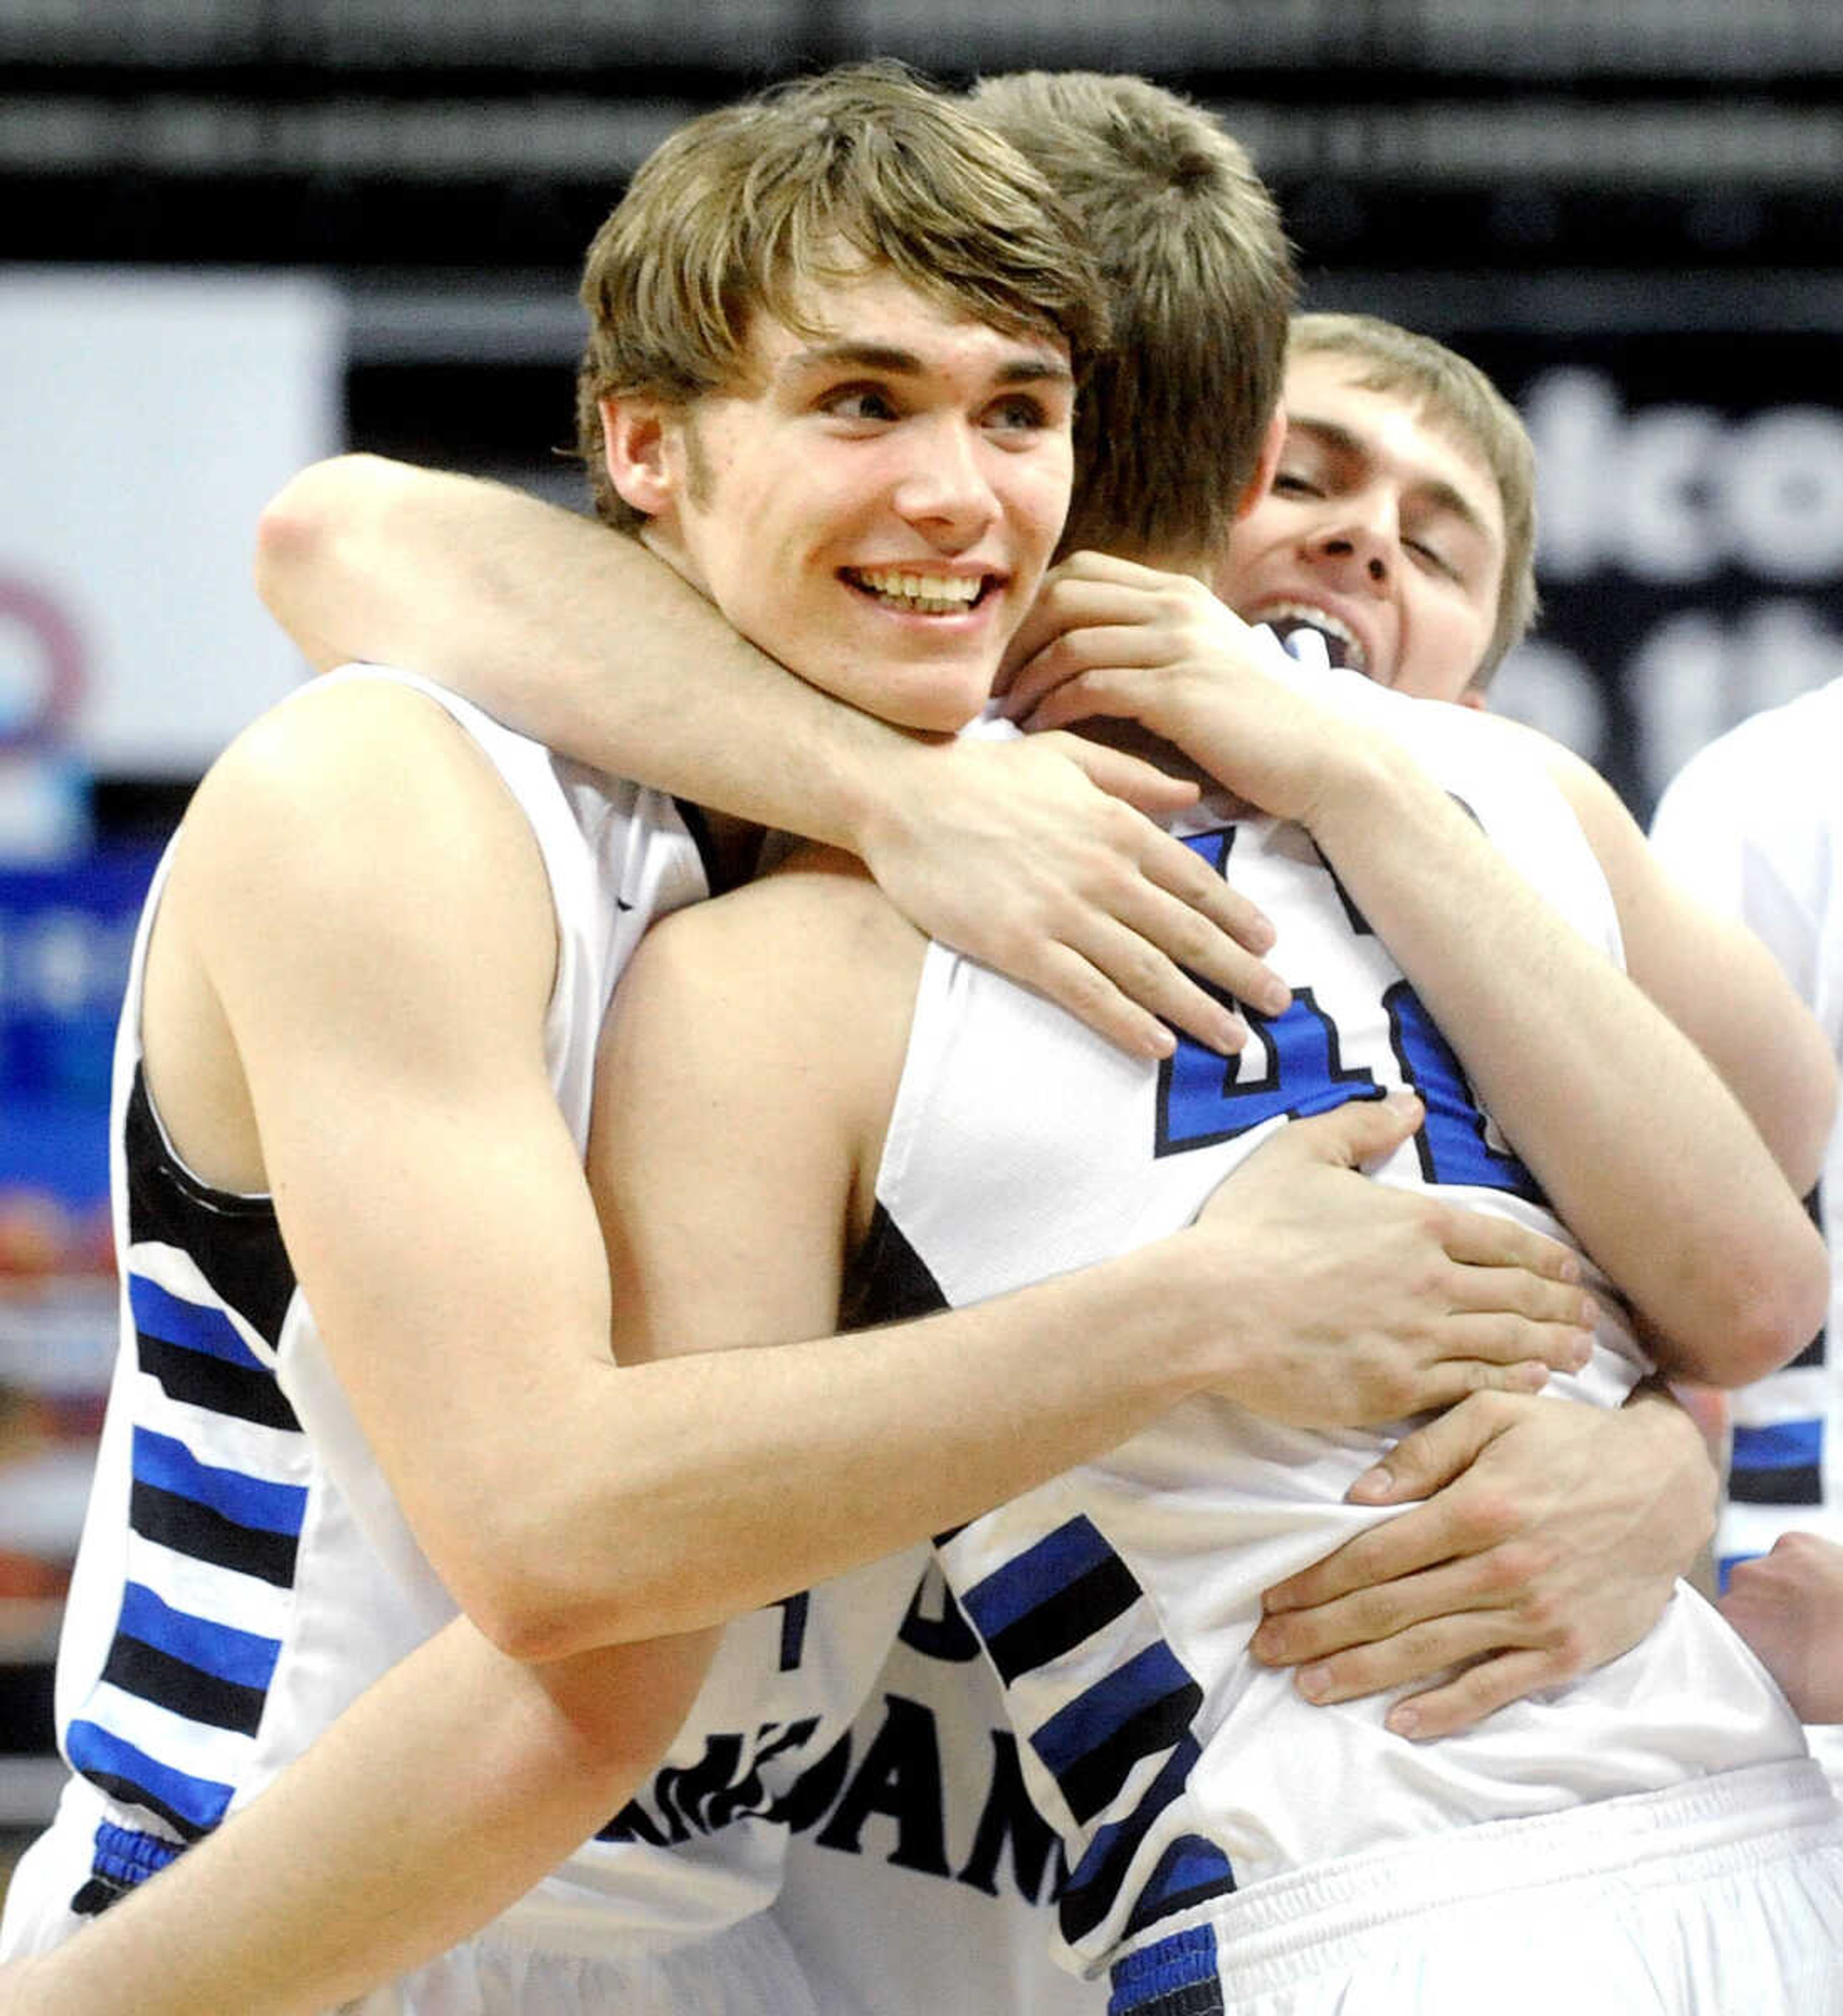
(238, 234)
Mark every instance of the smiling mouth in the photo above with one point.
(918, 593)
(1342, 645)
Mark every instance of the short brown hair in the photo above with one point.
(1200, 283)
(1460, 397)
(741, 209)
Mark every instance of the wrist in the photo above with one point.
(876, 786)
(1365, 786)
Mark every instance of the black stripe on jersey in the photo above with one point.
(886, 1280)
(720, 875)
(1093, 1781)
(235, 1241)
(151, 1674)
(1812, 1355)
(125, 1792)
(199, 1380)
(189, 1527)
(1788, 1484)
(1197, 1998)
(1063, 1619)
(1092, 1888)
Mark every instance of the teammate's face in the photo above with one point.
(1380, 531)
(875, 505)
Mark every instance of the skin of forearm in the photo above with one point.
(1615, 1112)
(690, 1456)
(549, 1755)
(458, 546)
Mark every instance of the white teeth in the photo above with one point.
(933, 594)
(1348, 648)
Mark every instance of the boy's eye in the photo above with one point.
(1433, 556)
(1290, 483)
(860, 402)
(1019, 411)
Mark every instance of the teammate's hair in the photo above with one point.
(742, 209)
(1459, 397)
(1200, 283)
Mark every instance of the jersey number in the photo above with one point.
(1203, 1098)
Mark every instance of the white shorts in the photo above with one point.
(1720, 1898)
(746, 1970)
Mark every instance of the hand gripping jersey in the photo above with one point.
(1117, 1602)
(244, 1571)
(1753, 826)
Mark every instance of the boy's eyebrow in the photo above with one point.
(1030, 368)
(1340, 440)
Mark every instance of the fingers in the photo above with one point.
(1360, 1131)
(1479, 1239)
(1137, 782)
(1420, 1463)
(1481, 1690)
(1075, 983)
(1138, 971)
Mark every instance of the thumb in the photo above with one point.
(1359, 1130)
(1130, 778)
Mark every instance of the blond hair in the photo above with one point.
(742, 210)
(1200, 283)
(1461, 399)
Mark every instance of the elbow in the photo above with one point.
(537, 1597)
(525, 1616)
(1770, 1315)
(296, 529)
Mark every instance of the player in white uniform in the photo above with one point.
(1117, 1603)
(304, 1015)
(1750, 822)
(1653, 1836)
(246, 1571)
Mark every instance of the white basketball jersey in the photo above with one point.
(1753, 826)
(1117, 1602)
(245, 1572)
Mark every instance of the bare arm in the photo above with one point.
(373, 1853)
(1036, 860)
(1788, 1605)
(1732, 1277)
(1714, 979)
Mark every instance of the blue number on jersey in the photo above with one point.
(1203, 1098)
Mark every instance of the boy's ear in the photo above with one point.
(1272, 442)
(635, 440)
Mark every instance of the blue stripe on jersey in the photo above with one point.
(1057, 1560)
(191, 1806)
(168, 1465)
(1096, 1880)
(1780, 1465)
(166, 1316)
(1092, 1743)
(1179, 1976)
(197, 1357)
(240, 1657)
(1190, 1870)
(1784, 1446)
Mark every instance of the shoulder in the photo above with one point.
(805, 948)
(359, 813)
(805, 978)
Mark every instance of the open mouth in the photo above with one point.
(1342, 645)
(916, 592)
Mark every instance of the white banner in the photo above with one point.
(145, 417)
